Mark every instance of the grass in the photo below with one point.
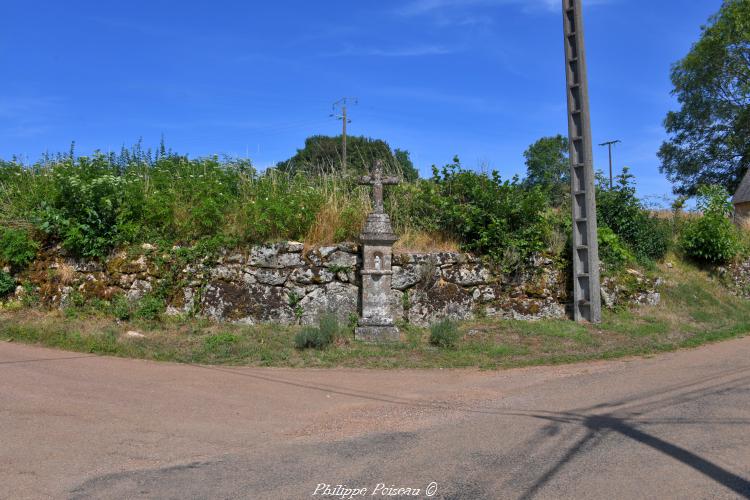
(695, 310)
(412, 240)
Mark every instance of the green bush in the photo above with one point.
(17, 248)
(620, 210)
(485, 214)
(329, 326)
(84, 210)
(93, 204)
(306, 338)
(149, 307)
(320, 337)
(76, 299)
(711, 238)
(612, 252)
(7, 284)
(277, 206)
(121, 308)
(444, 334)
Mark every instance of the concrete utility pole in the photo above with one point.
(610, 144)
(587, 304)
(344, 120)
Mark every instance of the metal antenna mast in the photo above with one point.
(344, 120)
(610, 144)
(586, 280)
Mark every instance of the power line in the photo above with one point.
(344, 121)
(609, 145)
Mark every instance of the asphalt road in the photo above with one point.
(79, 426)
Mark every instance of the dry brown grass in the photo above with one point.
(340, 218)
(662, 214)
(66, 273)
(669, 214)
(419, 241)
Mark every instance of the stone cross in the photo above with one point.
(376, 323)
(377, 181)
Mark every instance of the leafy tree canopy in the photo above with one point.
(323, 154)
(547, 166)
(709, 135)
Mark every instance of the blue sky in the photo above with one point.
(479, 78)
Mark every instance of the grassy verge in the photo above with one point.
(695, 310)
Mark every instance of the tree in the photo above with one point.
(712, 237)
(708, 141)
(322, 154)
(405, 164)
(619, 209)
(547, 166)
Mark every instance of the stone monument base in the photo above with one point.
(372, 333)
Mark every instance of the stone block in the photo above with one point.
(248, 304)
(467, 274)
(340, 258)
(273, 277)
(339, 298)
(274, 256)
(312, 275)
(377, 334)
(444, 300)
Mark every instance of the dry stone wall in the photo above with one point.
(737, 277)
(289, 284)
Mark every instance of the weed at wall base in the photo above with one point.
(444, 334)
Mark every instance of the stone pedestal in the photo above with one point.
(376, 321)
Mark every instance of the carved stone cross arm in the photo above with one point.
(369, 180)
(377, 181)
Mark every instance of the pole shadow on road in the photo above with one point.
(627, 423)
(598, 422)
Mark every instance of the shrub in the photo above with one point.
(619, 209)
(320, 337)
(17, 248)
(121, 307)
(76, 299)
(306, 338)
(278, 206)
(444, 334)
(310, 337)
(711, 238)
(7, 284)
(84, 210)
(149, 307)
(612, 252)
(329, 327)
(485, 214)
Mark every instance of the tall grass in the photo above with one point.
(94, 204)
(341, 215)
